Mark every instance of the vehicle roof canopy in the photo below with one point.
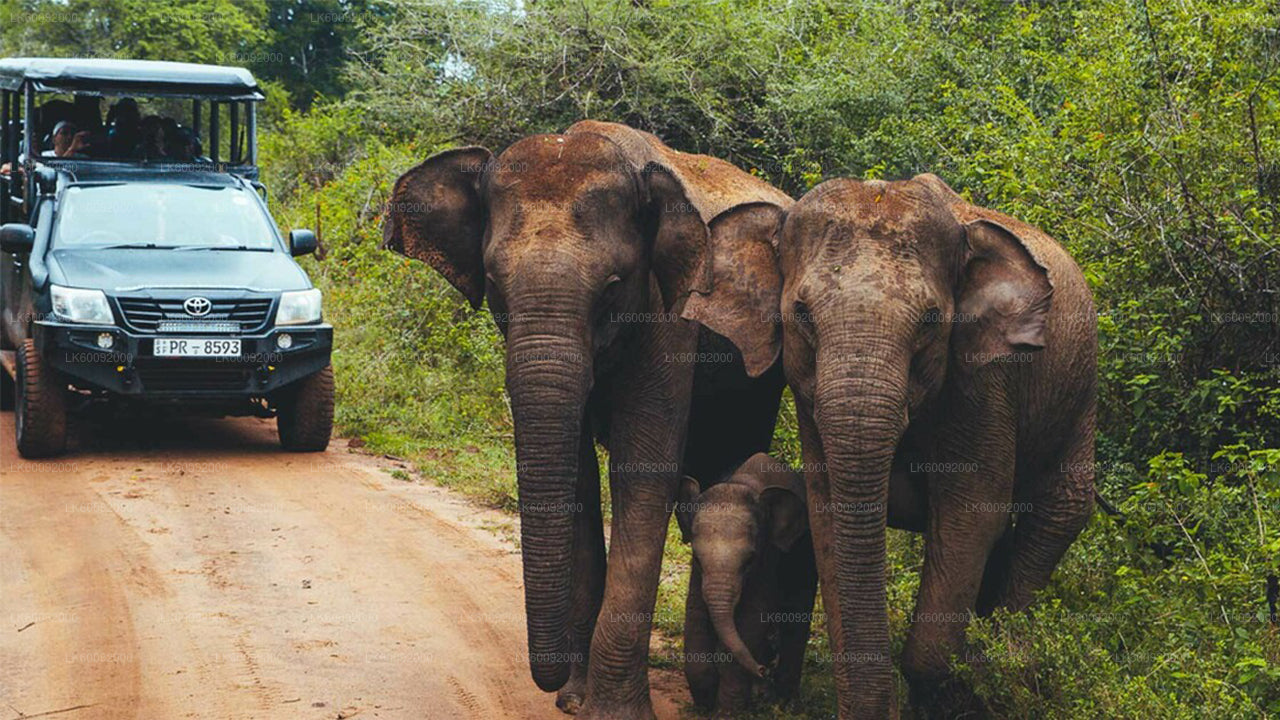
(144, 78)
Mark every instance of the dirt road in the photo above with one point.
(209, 575)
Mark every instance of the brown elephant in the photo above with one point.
(753, 584)
(943, 361)
(586, 245)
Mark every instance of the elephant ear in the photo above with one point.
(1004, 297)
(678, 236)
(746, 283)
(436, 214)
(1005, 291)
(686, 497)
(783, 497)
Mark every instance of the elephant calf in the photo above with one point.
(753, 582)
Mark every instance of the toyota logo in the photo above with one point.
(197, 306)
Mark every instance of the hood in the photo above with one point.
(127, 268)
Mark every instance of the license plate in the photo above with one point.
(196, 347)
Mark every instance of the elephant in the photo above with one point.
(586, 245)
(943, 361)
(753, 585)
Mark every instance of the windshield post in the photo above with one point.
(195, 116)
(253, 131)
(213, 130)
(29, 137)
(5, 157)
(233, 152)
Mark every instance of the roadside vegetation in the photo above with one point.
(1143, 134)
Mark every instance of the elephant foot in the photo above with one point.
(949, 698)
(571, 697)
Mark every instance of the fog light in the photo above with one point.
(106, 340)
(284, 341)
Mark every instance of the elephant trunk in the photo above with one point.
(860, 409)
(548, 378)
(722, 600)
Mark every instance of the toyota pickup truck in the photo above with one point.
(139, 264)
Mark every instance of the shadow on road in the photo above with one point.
(101, 433)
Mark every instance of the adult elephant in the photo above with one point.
(942, 358)
(586, 245)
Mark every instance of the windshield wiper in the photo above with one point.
(136, 246)
(225, 247)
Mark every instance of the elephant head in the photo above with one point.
(731, 527)
(569, 237)
(887, 290)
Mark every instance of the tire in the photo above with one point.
(40, 417)
(305, 416)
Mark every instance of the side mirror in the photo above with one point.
(17, 238)
(302, 242)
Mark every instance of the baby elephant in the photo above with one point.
(752, 586)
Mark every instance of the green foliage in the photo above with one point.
(309, 42)
(220, 32)
(1161, 613)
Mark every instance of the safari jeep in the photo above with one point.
(138, 262)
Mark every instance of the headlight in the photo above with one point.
(297, 307)
(79, 305)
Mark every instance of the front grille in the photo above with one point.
(149, 315)
(193, 376)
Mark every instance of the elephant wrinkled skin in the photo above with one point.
(586, 245)
(943, 361)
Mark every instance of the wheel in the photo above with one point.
(40, 417)
(305, 415)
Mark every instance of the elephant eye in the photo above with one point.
(611, 286)
(802, 318)
(800, 313)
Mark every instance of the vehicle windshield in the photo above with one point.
(154, 215)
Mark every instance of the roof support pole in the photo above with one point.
(29, 135)
(252, 109)
(213, 130)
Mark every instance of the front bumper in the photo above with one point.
(130, 368)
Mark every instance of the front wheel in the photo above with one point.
(40, 406)
(305, 415)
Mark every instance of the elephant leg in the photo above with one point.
(995, 572)
(646, 442)
(588, 576)
(798, 585)
(617, 673)
(699, 644)
(1059, 504)
(970, 491)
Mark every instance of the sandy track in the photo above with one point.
(208, 575)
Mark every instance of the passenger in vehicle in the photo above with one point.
(150, 139)
(183, 145)
(50, 114)
(88, 115)
(122, 120)
(88, 112)
(68, 141)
